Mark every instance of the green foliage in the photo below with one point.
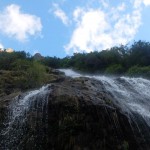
(114, 69)
(35, 74)
(19, 70)
(116, 60)
(139, 54)
(52, 62)
(6, 59)
(139, 71)
(20, 64)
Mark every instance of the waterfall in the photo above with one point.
(132, 95)
(26, 121)
(26, 117)
(70, 73)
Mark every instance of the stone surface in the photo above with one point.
(82, 116)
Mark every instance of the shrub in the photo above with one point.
(114, 69)
(139, 71)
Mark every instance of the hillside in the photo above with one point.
(20, 72)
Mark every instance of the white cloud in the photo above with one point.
(146, 2)
(122, 7)
(19, 25)
(98, 29)
(104, 3)
(85, 36)
(126, 27)
(138, 3)
(1, 46)
(58, 12)
(78, 12)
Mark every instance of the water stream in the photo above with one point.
(132, 95)
(26, 121)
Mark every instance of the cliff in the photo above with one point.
(79, 114)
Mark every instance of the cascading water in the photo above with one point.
(26, 121)
(132, 95)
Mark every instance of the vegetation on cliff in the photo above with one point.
(19, 71)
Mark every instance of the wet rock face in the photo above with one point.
(78, 114)
(82, 116)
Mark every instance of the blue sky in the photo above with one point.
(63, 27)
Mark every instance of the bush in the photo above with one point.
(139, 71)
(20, 65)
(33, 73)
(114, 69)
(36, 74)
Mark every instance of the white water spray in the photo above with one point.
(26, 114)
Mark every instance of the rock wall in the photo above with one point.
(82, 116)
